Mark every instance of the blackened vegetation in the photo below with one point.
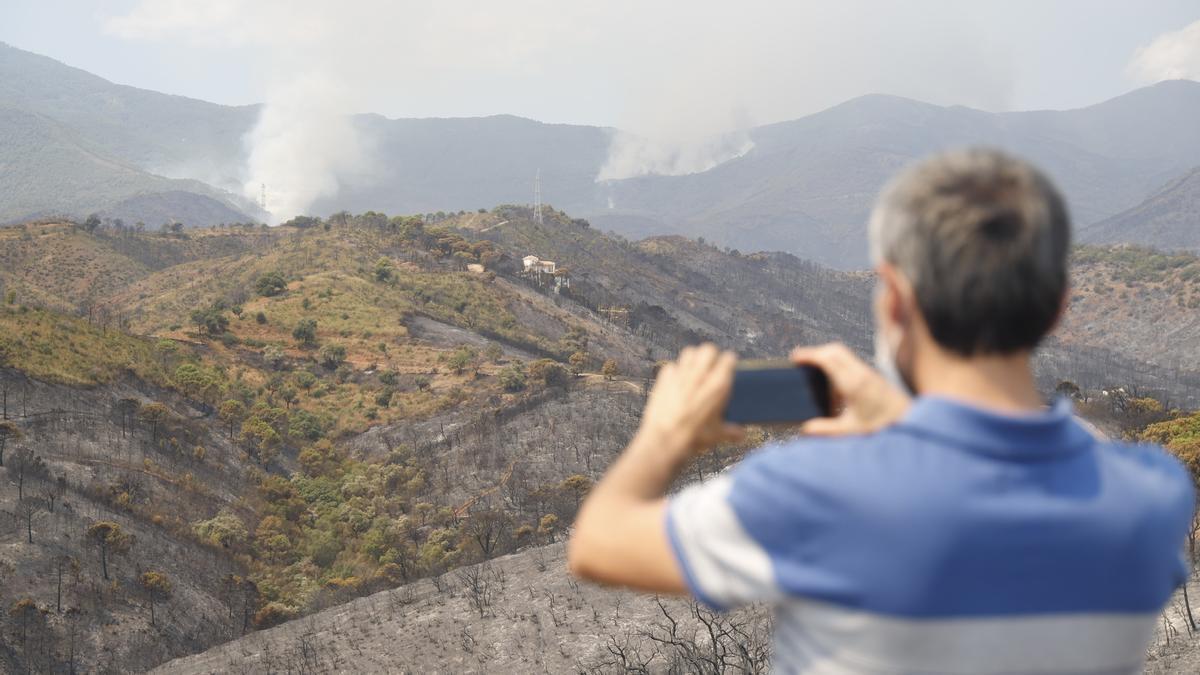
(517, 613)
(434, 433)
(679, 291)
(1097, 368)
(696, 640)
(90, 503)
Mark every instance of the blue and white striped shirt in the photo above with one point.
(955, 541)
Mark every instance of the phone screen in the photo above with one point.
(777, 392)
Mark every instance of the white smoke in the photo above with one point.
(684, 82)
(304, 142)
(631, 154)
(720, 69)
(302, 146)
(1170, 56)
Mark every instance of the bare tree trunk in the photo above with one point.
(1188, 604)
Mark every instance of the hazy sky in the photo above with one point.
(620, 62)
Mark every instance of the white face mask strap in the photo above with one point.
(885, 361)
(885, 353)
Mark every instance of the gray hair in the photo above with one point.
(984, 238)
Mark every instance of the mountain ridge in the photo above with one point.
(808, 184)
(805, 187)
(1169, 218)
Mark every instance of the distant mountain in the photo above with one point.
(1169, 219)
(72, 143)
(155, 132)
(429, 165)
(806, 186)
(47, 169)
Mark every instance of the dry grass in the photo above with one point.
(67, 350)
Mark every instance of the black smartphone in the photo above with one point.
(777, 392)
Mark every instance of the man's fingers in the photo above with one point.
(668, 369)
(666, 373)
(832, 356)
(869, 401)
(843, 368)
(696, 364)
(717, 383)
(686, 356)
(706, 355)
(727, 363)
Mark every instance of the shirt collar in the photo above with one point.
(1050, 432)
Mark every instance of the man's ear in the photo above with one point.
(896, 294)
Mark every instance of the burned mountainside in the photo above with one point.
(221, 430)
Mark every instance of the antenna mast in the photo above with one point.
(262, 198)
(537, 196)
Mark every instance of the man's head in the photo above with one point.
(971, 248)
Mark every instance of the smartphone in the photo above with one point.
(777, 392)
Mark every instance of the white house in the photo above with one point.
(536, 264)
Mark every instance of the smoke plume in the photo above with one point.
(302, 147)
(683, 82)
(1170, 56)
(304, 143)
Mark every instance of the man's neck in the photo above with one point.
(1004, 383)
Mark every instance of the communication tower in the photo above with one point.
(537, 196)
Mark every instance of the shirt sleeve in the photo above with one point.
(723, 565)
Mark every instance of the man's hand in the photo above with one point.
(863, 400)
(685, 407)
(620, 535)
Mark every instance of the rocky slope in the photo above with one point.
(1168, 219)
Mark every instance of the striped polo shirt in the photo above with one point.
(955, 541)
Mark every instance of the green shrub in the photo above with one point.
(270, 284)
(304, 379)
(305, 332)
(332, 355)
(512, 378)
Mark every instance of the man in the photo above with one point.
(970, 529)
